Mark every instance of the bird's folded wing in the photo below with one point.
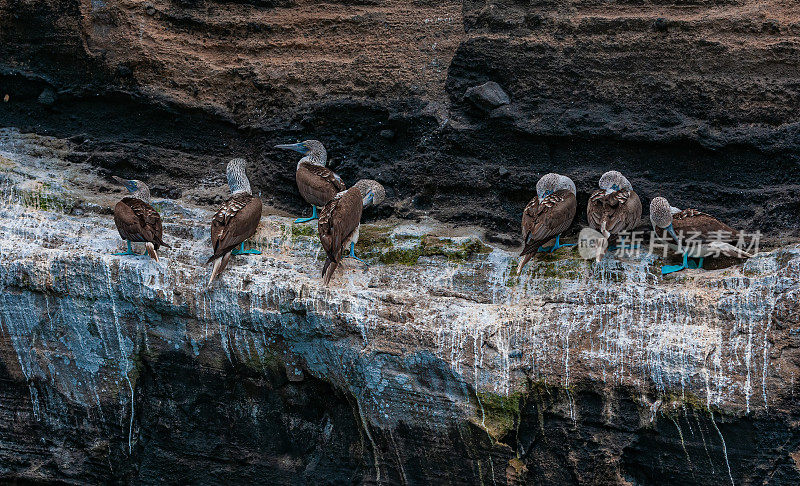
(625, 211)
(235, 221)
(319, 182)
(338, 220)
(553, 216)
(595, 208)
(130, 225)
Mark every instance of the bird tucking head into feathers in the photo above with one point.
(137, 188)
(313, 151)
(613, 181)
(237, 176)
(372, 192)
(547, 185)
(565, 182)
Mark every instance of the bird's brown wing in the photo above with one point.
(547, 219)
(317, 184)
(138, 221)
(338, 220)
(623, 211)
(234, 222)
(709, 228)
(595, 208)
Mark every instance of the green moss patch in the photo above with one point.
(500, 413)
(570, 269)
(41, 198)
(378, 243)
(300, 230)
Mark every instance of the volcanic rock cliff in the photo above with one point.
(436, 365)
(697, 99)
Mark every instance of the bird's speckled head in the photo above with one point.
(237, 176)
(660, 212)
(548, 184)
(137, 188)
(312, 150)
(613, 181)
(372, 192)
(565, 182)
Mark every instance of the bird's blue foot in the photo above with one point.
(128, 252)
(676, 268)
(242, 251)
(551, 249)
(353, 254)
(312, 218)
(698, 264)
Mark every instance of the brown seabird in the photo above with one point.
(548, 215)
(235, 221)
(614, 209)
(136, 220)
(316, 183)
(693, 233)
(340, 219)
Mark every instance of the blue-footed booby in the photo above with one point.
(547, 215)
(235, 221)
(316, 183)
(614, 209)
(693, 233)
(137, 220)
(340, 219)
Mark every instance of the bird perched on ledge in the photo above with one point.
(547, 215)
(235, 221)
(614, 209)
(693, 233)
(137, 220)
(316, 183)
(340, 220)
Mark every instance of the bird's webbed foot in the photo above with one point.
(556, 246)
(242, 251)
(676, 268)
(353, 254)
(306, 220)
(129, 251)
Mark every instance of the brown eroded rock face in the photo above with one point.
(691, 99)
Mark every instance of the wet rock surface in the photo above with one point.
(436, 364)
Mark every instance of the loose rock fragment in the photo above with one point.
(487, 96)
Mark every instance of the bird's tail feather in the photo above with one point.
(325, 267)
(214, 272)
(151, 250)
(729, 250)
(161, 242)
(523, 262)
(331, 269)
(219, 266)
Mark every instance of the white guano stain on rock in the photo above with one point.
(434, 333)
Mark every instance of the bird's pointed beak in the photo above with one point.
(297, 147)
(125, 182)
(671, 231)
(368, 199)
